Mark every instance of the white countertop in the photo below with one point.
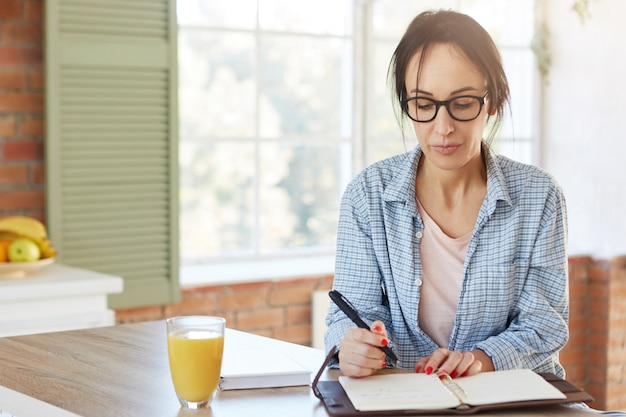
(58, 280)
(56, 298)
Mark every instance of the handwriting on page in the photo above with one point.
(403, 391)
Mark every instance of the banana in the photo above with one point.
(24, 226)
(47, 251)
(12, 227)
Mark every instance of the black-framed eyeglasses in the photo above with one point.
(461, 108)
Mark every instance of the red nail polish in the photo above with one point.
(454, 374)
(384, 365)
(418, 369)
(377, 329)
(429, 370)
(385, 342)
(464, 374)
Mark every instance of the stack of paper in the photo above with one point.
(244, 369)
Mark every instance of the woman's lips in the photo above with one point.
(446, 149)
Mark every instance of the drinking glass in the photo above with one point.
(195, 345)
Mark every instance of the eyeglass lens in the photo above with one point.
(463, 108)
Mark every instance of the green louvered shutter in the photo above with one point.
(111, 142)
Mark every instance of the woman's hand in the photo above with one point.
(359, 351)
(455, 363)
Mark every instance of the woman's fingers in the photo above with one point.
(473, 369)
(453, 363)
(378, 327)
(360, 354)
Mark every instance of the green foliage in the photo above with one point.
(540, 47)
(581, 7)
(541, 39)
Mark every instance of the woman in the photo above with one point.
(455, 256)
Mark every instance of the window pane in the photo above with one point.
(216, 84)
(306, 87)
(384, 137)
(509, 22)
(300, 188)
(307, 16)
(391, 17)
(519, 66)
(216, 197)
(239, 14)
(380, 116)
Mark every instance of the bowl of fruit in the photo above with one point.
(24, 246)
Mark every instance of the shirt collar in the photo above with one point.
(402, 185)
(496, 182)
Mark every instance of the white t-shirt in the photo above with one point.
(442, 278)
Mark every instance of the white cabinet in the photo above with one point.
(56, 298)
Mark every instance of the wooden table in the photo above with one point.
(123, 371)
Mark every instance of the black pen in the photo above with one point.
(345, 306)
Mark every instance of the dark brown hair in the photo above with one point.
(446, 26)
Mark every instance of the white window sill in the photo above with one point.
(255, 270)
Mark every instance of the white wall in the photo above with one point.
(584, 131)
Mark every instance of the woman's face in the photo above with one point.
(448, 144)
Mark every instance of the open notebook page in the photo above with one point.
(406, 391)
(507, 386)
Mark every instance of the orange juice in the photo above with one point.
(195, 362)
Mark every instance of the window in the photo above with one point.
(282, 103)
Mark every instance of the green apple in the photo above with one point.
(23, 250)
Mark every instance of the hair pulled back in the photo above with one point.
(458, 29)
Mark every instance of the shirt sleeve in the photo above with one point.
(357, 275)
(538, 328)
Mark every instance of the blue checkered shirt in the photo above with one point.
(514, 301)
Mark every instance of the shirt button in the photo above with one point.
(418, 235)
(418, 282)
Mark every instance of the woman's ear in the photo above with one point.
(492, 111)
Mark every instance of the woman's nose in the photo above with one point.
(444, 124)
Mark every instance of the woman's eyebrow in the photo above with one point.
(460, 90)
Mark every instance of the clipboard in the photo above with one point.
(337, 403)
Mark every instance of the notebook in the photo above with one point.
(402, 391)
(16, 404)
(412, 394)
(462, 397)
(246, 369)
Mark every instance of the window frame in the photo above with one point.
(250, 269)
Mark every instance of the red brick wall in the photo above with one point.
(595, 356)
(22, 179)
(616, 343)
(573, 356)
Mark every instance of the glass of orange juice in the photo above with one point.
(195, 345)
